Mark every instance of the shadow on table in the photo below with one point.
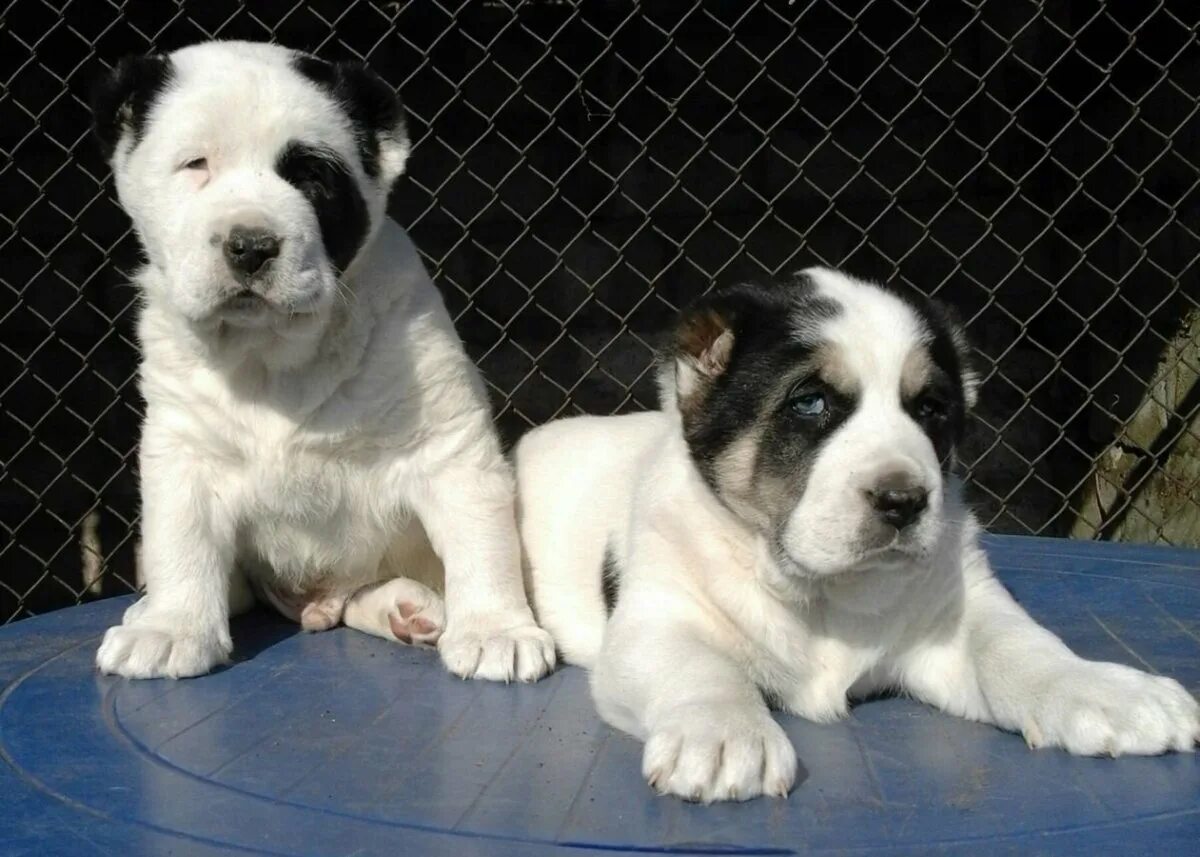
(256, 632)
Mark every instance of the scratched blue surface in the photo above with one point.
(338, 743)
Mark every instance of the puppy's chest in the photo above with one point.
(308, 510)
(283, 470)
(809, 663)
(302, 488)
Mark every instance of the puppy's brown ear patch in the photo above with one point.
(705, 340)
(703, 347)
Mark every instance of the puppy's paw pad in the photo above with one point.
(413, 624)
(150, 652)
(421, 625)
(486, 649)
(400, 609)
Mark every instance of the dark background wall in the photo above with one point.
(581, 169)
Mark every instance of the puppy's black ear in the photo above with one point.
(123, 96)
(703, 346)
(948, 319)
(374, 110)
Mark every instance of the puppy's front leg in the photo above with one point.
(709, 735)
(1002, 667)
(181, 626)
(490, 631)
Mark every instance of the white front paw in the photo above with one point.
(135, 610)
(719, 752)
(497, 647)
(1102, 709)
(144, 650)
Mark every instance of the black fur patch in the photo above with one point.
(947, 350)
(330, 187)
(371, 104)
(610, 580)
(791, 443)
(121, 99)
(763, 319)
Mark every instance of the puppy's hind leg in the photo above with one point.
(397, 609)
(314, 611)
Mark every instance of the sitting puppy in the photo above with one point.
(314, 431)
(786, 529)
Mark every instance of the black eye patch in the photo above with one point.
(330, 188)
(939, 410)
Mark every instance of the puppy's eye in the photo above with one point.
(196, 164)
(312, 188)
(808, 403)
(313, 183)
(932, 408)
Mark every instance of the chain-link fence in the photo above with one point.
(582, 169)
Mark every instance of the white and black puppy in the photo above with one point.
(314, 431)
(787, 529)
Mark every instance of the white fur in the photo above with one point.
(827, 531)
(709, 615)
(319, 451)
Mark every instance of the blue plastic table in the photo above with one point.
(339, 743)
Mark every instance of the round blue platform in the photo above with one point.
(339, 743)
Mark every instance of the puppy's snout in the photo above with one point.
(248, 249)
(898, 500)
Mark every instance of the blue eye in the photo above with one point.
(809, 404)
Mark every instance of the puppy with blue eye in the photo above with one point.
(787, 527)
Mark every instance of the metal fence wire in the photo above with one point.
(583, 169)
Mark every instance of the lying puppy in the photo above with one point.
(787, 529)
(314, 431)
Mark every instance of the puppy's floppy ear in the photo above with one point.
(966, 366)
(374, 109)
(703, 347)
(948, 317)
(122, 97)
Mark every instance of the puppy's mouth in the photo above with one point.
(245, 301)
(898, 548)
(895, 554)
(248, 307)
(899, 554)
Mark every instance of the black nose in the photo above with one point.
(899, 506)
(249, 248)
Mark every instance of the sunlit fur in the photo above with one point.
(331, 448)
(740, 585)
